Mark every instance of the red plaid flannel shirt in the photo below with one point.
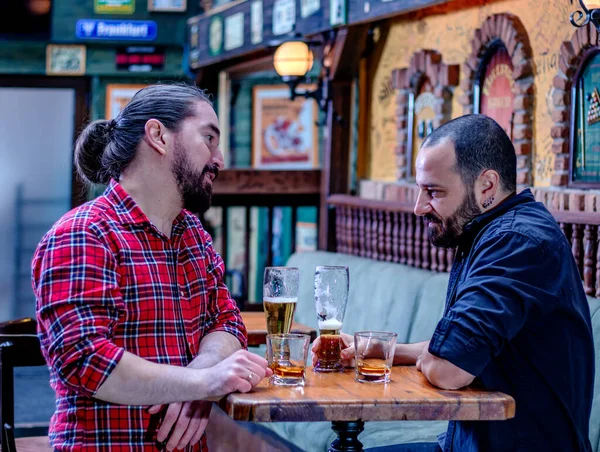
(106, 280)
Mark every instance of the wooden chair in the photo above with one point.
(19, 347)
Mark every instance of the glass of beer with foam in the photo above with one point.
(374, 353)
(280, 295)
(331, 297)
(286, 354)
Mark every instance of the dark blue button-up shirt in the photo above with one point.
(517, 318)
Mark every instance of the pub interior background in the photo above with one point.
(384, 75)
(47, 63)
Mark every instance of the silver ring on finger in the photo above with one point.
(250, 376)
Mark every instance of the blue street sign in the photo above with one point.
(116, 30)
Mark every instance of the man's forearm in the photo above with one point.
(136, 381)
(214, 348)
(407, 354)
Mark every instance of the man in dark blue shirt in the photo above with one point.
(516, 316)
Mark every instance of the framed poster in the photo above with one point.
(256, 22)
(65, 59)
(234, 31)
(114, 6)
(497, 90)
(337, 12)
(165, 6)
(284, 16)
(215, 35)
(585, 124)
(117, 97)
(309, 7)
(284, 132)
(306, 237)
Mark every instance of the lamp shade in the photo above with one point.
(293, 59)
(591, 4)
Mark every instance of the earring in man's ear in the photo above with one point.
(488, 202)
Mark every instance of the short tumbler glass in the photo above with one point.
(287, 354)
(374, 353)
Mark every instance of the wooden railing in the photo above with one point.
(269, 189)
(386, 231)
(582, 231)
(391, 232)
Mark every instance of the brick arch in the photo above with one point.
(443, 77)
(571, 57)
(509, 30)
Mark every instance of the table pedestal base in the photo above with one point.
(347, 436)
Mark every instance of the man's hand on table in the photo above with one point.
(240, 371)
(423, 353)
(191, 418)
(442, 373)
(347, 350)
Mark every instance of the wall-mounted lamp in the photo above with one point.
(292, 60)
(591, 12)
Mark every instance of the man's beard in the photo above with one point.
(446, 233)
(195, 191)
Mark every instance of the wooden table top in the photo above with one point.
(256, 325)
(338, 397)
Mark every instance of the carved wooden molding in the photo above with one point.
(443, 77)
(391, 232)
(258, 182)
(386, 231)
(510, 31)
(571, 56)
(236, 187)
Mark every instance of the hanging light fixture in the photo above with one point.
(590, 13)
(293, 60)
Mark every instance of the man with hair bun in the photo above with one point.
(135, 321)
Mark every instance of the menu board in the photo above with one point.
(586, 145)
(497, 90)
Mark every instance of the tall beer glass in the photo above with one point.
(331, 297)
(280, 294)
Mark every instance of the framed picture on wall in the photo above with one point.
(117, 97)
(284, 132)
(585, 124)
(65, 59)
(165, 6)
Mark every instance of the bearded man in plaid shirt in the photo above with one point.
(135, 321)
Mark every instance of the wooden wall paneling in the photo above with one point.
(375, 234)
(403, 227)
(426, 253)
(340, 235)
(368, 243)
(589, 244)
(361, 231)
(355, 231)
(387, 235)
(577, 244)
(410, 241)
(389, 231)
(417, 241)
(396, 216)
(349, 229)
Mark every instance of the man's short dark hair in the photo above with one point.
(480, 144)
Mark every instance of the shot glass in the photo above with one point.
(287, 354)
(374, 353)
